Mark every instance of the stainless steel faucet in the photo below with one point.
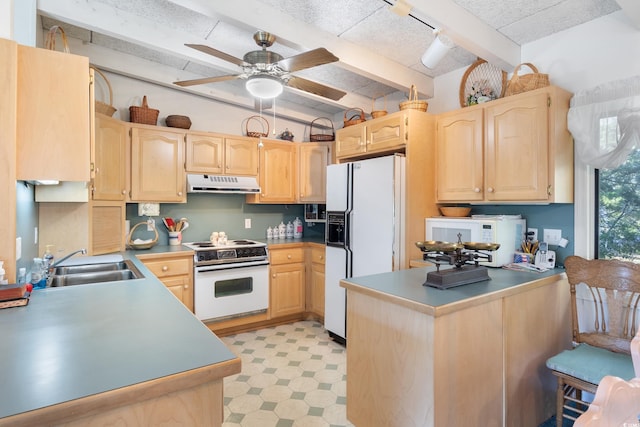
(66, 257)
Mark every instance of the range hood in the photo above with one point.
(222, 184)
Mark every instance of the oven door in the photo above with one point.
(230, 291)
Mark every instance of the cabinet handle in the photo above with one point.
(476, 190)
(273, 275)
(180, 193)
(165, 268)
(186, 286)
(289, 256)
(321, 257)
(124, 192)
(490, 189)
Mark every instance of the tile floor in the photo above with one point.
(292, 375)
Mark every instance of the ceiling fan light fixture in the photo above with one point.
(436, 50)
(264, 87)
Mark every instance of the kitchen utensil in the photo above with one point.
(455, 211)
(171, 226)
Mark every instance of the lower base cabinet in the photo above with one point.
(175, 270)
(286, 281)
(315, 299)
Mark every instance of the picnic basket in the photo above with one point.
(317, 137)
(526, 82)
(355, 118)
(103, 107)
(413, 102)
(143, 114)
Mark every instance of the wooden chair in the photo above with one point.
(604, 320)
(617, 402)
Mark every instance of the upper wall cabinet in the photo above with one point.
(54, 111)
(210, 153)
(313, 159)
(278, 173)
(384, 134)
(111, 152)
(157, 164)
(516, 148)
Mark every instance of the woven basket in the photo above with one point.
(413, 103)
(174, 121)
(143, 114)
(148, 245)
(481, 72)
(378, 113)
(102, 107)
(526, 82)
(316, 137)
(262, 121)
(355, 118)
(50, 42)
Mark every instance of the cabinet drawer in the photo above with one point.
(317, 255)
(286, 256)
(169, 267)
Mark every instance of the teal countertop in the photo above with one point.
(76, 341)
(406, 287)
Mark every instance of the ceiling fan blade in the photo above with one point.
(266, 104)
(316, 88)
(309, 59)
(206, 80)
(218, 54)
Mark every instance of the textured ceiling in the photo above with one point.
(379, 51)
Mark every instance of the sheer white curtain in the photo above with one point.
(590, 112)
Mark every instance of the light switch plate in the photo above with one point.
(148, 209)
(552, 236)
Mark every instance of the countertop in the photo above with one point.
(73, 342)
(405, 287)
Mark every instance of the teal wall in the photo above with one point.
(26, 222)
(222, 212)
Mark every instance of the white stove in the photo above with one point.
(230, 280)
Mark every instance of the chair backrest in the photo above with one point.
(611, 311)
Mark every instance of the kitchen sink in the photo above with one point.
(94, 273)
(92, 268)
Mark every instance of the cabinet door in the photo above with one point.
(287, 289)
(517, 155)
(241, 156)
(278, 173)
(386, 133)
(157, 165)
(53, 129)
(176, 273)
(110, 172)
(107, 227)
(312, 173)
(351, 141)
(180, 286)
(205, 153)
(459, 148)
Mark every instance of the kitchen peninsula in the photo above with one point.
(125, 353)
(472, 355)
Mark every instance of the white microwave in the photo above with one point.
(506, 230)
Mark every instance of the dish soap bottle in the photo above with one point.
(297, 228)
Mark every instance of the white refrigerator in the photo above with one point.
(365, 229)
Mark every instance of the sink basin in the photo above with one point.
(91, 268)
(94, 273)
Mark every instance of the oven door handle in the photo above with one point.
(220, 267)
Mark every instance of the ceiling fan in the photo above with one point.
(267, 72)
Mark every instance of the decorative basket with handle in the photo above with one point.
(355, 118)
(143, 114)
(263, 122)
(50, 42)
(378, 113)
(526, 82)
(146, 245)
(102, 107)
(413, 102)
(316, 137)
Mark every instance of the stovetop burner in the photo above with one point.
(235, 251)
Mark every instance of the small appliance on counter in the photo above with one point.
(505, 230)
(545, 258)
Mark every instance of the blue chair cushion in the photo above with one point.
(591, 364)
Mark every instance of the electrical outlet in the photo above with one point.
(35, 235)
(532, 234)
(151, 224)
(247, 223)
(552, 236)
(18, 248)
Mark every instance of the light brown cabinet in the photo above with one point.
(385, 134)
(315, 281)
(220, 154)
(286, 281)
(313, 159)
(53, 116)
(278, 173)
(157, 165)
(175, 270)
(110, 182)
(516, 148)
